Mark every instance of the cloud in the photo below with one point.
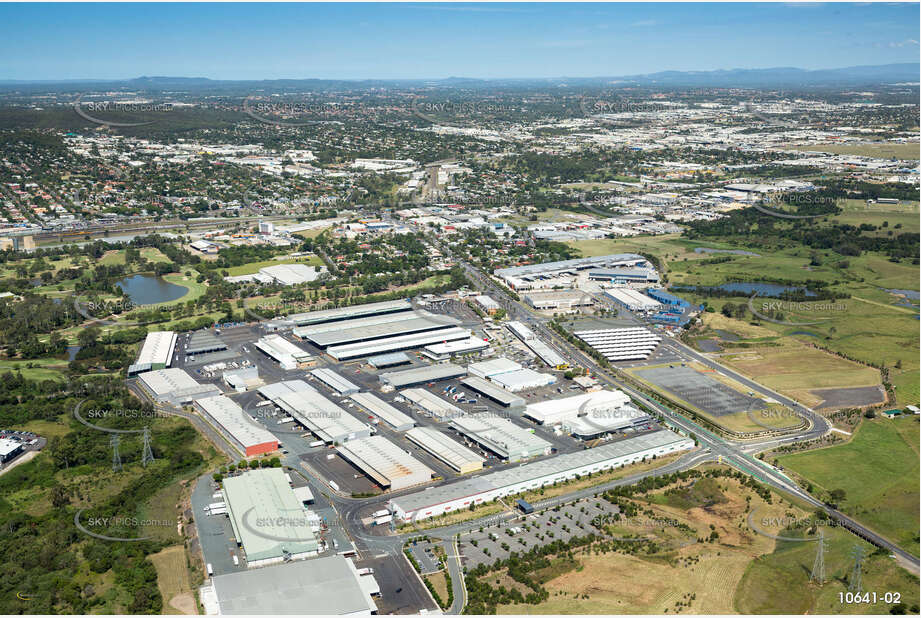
(905, 43)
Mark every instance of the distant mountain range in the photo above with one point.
(780, 77)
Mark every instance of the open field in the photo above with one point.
(878, 468)
(690, 577)
(898, 219)
(882, 150)
(36, 368)
(796, 370)
(173, 581)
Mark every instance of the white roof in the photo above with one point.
(226, 413)
(495, 366)
(8, 446)
(334, 380)
(274, 391)
(522, 379)
(385, 462)
(455, 347)
(281, 349)
(401, 342)
(432, 403)
(501, 435)
(290, 274)
(171, 381)
(453, 453)
(324, 418)
(632, 298)
(375, 405)
(557, 410)
(158, 348)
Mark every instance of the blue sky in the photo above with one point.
(353, 41)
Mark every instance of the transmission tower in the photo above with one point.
(853, 583)
(116, 458)
(147, 454)
(818, 567)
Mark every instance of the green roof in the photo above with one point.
(266, 516)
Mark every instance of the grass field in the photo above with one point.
(253, 267)
(878, 468)
(41, 368)
(882, 150)
(796, 369)
(173, 581)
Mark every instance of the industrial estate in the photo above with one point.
(638, 344)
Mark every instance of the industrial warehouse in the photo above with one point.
(621, 344)
(156, 352)
(632, 299)
(349, 313)
(589, 415)
(559, 300)
(533, 276)
(174, 386)
(461, 494)
(395, 344)
(287, 354)
(493, 392)
(329, 586)
(501, 436)
(268, 520)
(335, 381)
(372, 404)
(372, 328)
(460, 458)
(543, 351)
(421, 375)
(432, 404)
(229, 418)
(390, 466)
(322, 417)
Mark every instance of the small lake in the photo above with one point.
(150, 290)
(768, 290)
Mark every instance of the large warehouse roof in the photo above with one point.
(419, 375)
(157, 349)
(286, 353)
(175, 386)
(536, 470)
(589, 414)
(618, 259)
(385, 462)
(501, 436)
(432, 403)
(321, 416)
(323, 586)
(231, 418)
(496, 393)
(202, 341)
(266, 516)
(274, 391)
(459, 457)
(388, 360)
(380, 408)
(523, 379)
(334, 381)
(633, 300)
(393, 344)
(377, 327)
(460, 346)
(348, 313)
(495, 366)
(291, 274)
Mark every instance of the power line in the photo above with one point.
(116, 457)
(854, 583)
(818, 567)
(147, 454)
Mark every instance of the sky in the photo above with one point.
(428, 41)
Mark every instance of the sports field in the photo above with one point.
(882, 150)
(878, 469)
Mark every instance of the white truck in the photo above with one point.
(316, 443)
(380, 513)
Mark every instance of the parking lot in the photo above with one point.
(497, 541)
(700, 390)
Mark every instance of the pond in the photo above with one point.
(150, 290)
(769, 290)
